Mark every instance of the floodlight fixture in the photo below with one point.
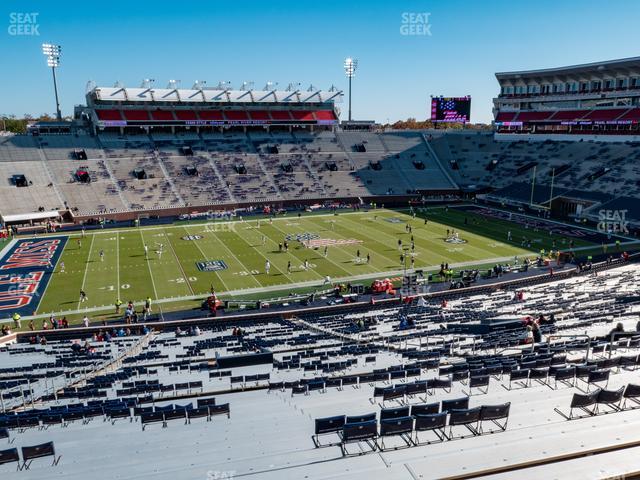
(350, 66)
(53, 54)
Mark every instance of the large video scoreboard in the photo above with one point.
(451, 109)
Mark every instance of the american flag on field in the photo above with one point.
(330, 242)
(449, 105)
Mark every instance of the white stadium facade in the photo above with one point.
(601, 98)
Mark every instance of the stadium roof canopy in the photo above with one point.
(210, 96)
(26, 217)
(625, 66)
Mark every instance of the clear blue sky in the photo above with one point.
(306, 41)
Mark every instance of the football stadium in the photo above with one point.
(242, 280)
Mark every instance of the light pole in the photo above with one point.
(350, 65)
(53, 52)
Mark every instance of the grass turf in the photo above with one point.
(125, 273)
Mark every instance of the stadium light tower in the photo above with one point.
(350, 65)
(53, 53)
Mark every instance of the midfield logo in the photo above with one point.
(301, 237)
(455, 240)
(211, 266)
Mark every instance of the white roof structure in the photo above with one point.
(210, 96)
(25, 217)
(624, 66)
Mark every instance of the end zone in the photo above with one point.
(25, 270)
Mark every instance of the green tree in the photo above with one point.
(12, 124)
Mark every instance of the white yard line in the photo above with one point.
(118, 265)
(205, 256)
(258, 288)
(230, 253)
(326, 258)
(269, 239)
(86, 268)
(51, 279)
(372, 238)
(187, 224)
(379, 211)
(153, 283)
(288, 286)
(7, 247)
(344, 249)
(536, 219)
(184, 274)
(434, 241)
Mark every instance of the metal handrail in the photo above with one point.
(584, 335)
(614, 335)
(436, 337)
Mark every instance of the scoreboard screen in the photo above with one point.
(451, 109)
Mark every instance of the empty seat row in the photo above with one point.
(603, 401)
(29, 454)
(408, 428)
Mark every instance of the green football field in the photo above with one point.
(241, 249)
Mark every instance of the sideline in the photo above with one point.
(309, 283)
